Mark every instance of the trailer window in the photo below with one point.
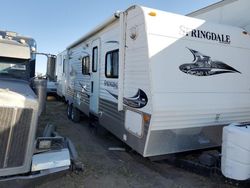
(94, 59)
(85, 65)
(112, 64)
(64, 65)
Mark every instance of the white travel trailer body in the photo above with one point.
(61, 74)
(179, 80)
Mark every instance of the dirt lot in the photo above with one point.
(105, 168)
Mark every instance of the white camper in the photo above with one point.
(230, 12)
(161, 82)
(61, 68)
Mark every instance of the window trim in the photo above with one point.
(94, 70)
(84, 72)
(110, 52)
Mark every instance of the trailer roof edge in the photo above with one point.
(94, 31)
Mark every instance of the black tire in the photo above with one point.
(75, 115)
(69, 110)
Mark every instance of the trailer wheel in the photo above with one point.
(69, 110)
(75, 115)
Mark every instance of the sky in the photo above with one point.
(55, 24)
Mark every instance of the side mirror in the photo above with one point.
(51, 67)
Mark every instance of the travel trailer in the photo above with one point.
(161, 82)
(61, 74)
(230, 12)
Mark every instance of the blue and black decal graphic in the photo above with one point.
(139, 100)
(204, 66)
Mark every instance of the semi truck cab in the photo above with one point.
(21, 153)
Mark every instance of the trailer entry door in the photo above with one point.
(95, 67)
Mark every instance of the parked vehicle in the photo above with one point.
(161, 82)
(22, 100)
(61, 67)
(232, 12)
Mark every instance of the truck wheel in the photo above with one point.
(69, 110)
(75, 115)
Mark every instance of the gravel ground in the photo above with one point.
(105, 168)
